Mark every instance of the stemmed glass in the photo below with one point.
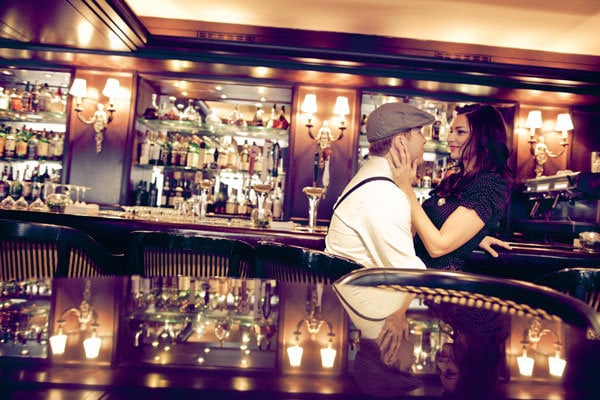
(8, 203)
(260, 216)
(222, 331)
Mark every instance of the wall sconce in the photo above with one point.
(325, 136)
(538, 147)
(100, 119)
(85, 315)
(313, 322)
(531, 338)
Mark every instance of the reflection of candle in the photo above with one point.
(316, 169)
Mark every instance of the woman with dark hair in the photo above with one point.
(470, 201)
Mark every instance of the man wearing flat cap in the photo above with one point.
(371, 224)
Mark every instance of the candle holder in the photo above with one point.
(314, 195)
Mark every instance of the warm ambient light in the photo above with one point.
(58, 342)
(295, 355)
(564, 124)
(100, 119)
(538, 147)
(328, 356)
(525, 364)
(92, 344)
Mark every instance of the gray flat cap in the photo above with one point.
(392, 118)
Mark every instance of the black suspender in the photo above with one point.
(359, 184)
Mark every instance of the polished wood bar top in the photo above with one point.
(111, 228)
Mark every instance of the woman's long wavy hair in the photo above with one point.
(487, 145)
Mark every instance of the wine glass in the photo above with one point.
(8, 203)
(38, 205)
(222, 331)
(260, 216)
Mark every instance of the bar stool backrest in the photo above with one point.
(156, 253)
(581, 283)
(31, 250)
(503, 295)
(289, 263)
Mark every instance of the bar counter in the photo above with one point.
(110, 228)
(528, 260)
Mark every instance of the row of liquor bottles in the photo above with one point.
(198, 111)
(193, 151)
(222, 199)
(33, 98)
(29, 144)
(29, 183)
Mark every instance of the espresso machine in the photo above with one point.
(556, 208)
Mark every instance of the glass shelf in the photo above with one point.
(37, 117)
(257, 132)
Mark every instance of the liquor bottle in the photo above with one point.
(36, 188)
(254, 153)
(26, 98)
(2, 140)
(193, 154)
(144, 157)
(4, 186)
(236, 118)
(202, 155)
(32, 143)
(11, 143)
(231, 206)
(172, 110)
(184, 145)
(166, 193)
(276, 159)
(283, 122)
(245, 157)
(27, 183)
(257, 120)
(189, 113)
(42, 146)
(175, 145)
(165, 149)
(363, 125)
(153, 195)
(59, 145)
(21, 147)
(278, 202)
(35, 92)
(4, 100)
(141, 194)
(16, 189)
(153, 148)
(15, 101)
(273, 121)
(44, 98)
(152, 111)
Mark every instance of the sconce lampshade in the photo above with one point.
(341, 106)
(563, 122)
(111, 89)
(328, 356)
(525, 364)
(79, 88)
(309, 105)
(295, 355)
(534, 119)
(58, 343)
(91, 346)
(556, 365)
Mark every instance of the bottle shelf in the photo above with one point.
(183, 127)
(33, 117)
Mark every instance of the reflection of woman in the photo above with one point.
(471, 364)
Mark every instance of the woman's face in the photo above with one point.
(449, 370)
(458, 136)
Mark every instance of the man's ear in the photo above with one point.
(400, 139)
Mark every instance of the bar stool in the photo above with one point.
(36, 250)
(581, 283)
(289, 263)
(157, 253)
